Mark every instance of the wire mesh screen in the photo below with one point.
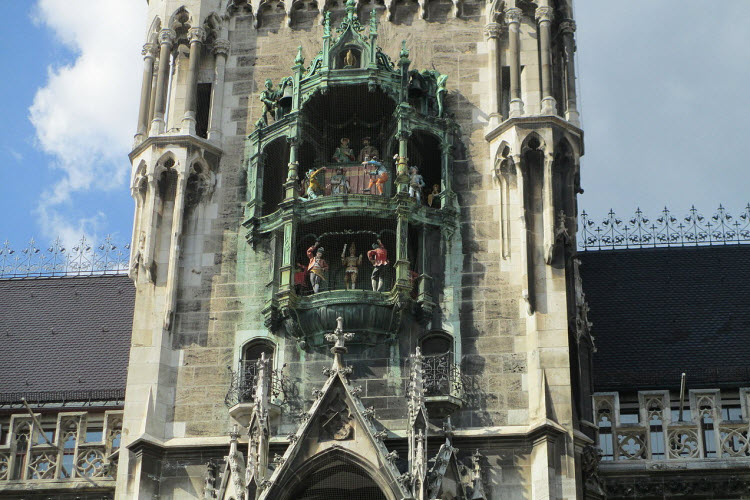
(337, 236)
(352, 112)
(338, 480)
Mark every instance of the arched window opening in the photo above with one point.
(351, 124)
(69, 438)
(440, 373)
(251, 353)
(425, 154)
(337, 479)
(275, 162)
(21, 437)
(343, 240)
(606, 441)
(350, 57)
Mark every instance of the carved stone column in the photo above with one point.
(492, 33)
(567, 29)
(513, 20)
(544, 17)
(149, 54)
(221, 50)
(196, 37)
(166, 40)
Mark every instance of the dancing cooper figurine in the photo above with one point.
(351, 263)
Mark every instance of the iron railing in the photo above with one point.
(667, 230)
(84, 397)
(242, 386)
(82, 259)
(441, 376)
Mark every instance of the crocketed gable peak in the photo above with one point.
(337, 438)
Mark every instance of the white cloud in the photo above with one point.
(85, 115)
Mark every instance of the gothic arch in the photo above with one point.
(181, 21)
(163, 163)
(154, 29)
(139, 182)
(238, 6)
(533, 142)
(334, 461)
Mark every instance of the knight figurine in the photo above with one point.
(378, 257)
(314, 188)
(416, 184)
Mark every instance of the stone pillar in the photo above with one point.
(166, 40)
(492, 33)
(567, 28)
(290, 186)
(544, 18)
(196, 37)
(513, 20)
(152, 101)
(221, 50)
(149, 54)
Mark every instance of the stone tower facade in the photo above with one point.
(312, 313)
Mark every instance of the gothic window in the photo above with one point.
(604, 420)
(251, 353)
(202, 109)
(425, 154)
(69, 438)
(655, 412)
(706, 415)
(21, 438)
(438, 365)
(275, 159)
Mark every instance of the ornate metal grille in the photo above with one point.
(242, 386)
(667, 230)
(84, 258)
(442, 376)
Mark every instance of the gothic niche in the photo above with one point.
(337, 421)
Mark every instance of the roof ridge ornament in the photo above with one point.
(351, 21)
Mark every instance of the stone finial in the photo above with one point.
(338, 338)
(373, 22)
(299, 60)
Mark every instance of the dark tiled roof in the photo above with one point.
(660, 312)
(65, 334)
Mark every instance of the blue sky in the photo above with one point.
(662, 85)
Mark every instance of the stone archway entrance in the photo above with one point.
(336, 479)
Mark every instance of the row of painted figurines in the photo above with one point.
(317, 268)
(378, 175)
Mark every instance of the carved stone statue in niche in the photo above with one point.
(336, 423)
(343, 153)
(368, 151)
(350, 60)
